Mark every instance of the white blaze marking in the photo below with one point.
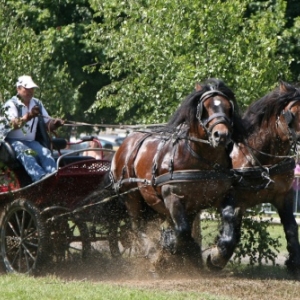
(217, 102)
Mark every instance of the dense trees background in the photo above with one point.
(133, 61)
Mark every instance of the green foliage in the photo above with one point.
(25, 52)
(141, 58)
(157, 50)
(43, 39)
(256, 242)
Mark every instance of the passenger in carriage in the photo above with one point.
(21, 113)
(94, 153)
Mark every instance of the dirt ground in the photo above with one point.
(269, 282)
(273, 282)
(266, 283)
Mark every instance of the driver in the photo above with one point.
(21, 112)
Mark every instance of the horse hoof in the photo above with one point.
(168, 240)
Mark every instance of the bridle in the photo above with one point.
(286, 164)
(220, 116)
(288, 117)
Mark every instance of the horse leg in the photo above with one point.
(291, 233)
(134, 208)
(196, 229)
(229, 236)
(181, 241)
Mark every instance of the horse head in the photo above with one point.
(215, 111)
(288, 122)
(273, 122)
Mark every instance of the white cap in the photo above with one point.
(26, 82)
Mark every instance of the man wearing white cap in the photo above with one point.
(21, 111)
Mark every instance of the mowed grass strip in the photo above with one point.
(19, 287)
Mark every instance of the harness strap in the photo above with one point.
(242, 176)
(216, 115)
(154, 167)
(132, 180)
(189, 176)
(125, 169)
(255, 172)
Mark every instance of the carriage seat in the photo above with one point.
(59, 143)
(8, 156)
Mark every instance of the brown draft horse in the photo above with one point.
(262, 163)
(177, 170)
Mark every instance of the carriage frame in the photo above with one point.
(49, 221)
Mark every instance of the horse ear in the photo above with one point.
(198, 86)
(285, 87)
(282, 87)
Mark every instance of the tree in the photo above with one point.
(157, 50)
(293, 31)
(143, 57)
(25, 52)
(45, 36)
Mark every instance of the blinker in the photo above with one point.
(289, 116)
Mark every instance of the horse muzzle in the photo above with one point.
(220, 138)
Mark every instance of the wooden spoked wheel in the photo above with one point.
(69, 238)
(23, 238)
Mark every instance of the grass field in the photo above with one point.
(246, 283)
(15, 287)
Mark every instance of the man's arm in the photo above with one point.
(18, 122)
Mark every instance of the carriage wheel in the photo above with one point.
(23, 237)
(69, 239)
(119, 238)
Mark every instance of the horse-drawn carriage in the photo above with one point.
(38, 220)
(206, 156)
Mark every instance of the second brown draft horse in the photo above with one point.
(182, 168)
(264, 163)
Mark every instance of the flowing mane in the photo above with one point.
(269, 105)
(187, 111)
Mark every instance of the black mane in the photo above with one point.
(270, 105)
(187, 111)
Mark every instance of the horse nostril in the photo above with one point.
(216, 135)
(220, 137)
